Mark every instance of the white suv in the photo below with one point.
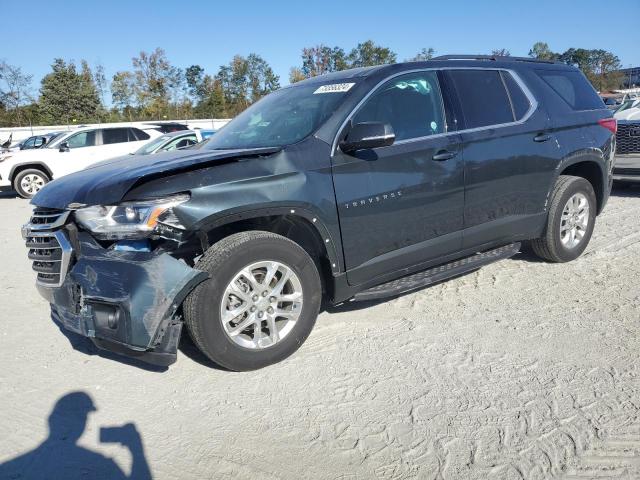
(29, 170)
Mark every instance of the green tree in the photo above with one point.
(122, 92)
(296, 75)
(14, 92)
(425, 54)
(541, 51)
(195, 78)
(322, 59)
(152, 78)
(67, 96)
(245, 80)
(367, 54)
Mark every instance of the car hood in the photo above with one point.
(629, 114)
(107, 182)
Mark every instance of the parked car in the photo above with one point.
(172, 141)
(35, 141)
(611, 103)
(29, 170)
(628, 110)
(355, 185)
(627, 164)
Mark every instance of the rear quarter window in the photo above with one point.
(138, 134)
(573, 88)
(519, 100)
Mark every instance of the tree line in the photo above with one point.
(155, 89)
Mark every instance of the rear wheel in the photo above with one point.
(572, 216)
(29, 182)
(259, 304)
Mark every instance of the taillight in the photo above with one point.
(610, 124)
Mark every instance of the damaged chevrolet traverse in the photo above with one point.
(355, 185)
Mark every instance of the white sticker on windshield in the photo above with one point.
(334, 88)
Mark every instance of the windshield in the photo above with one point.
(55, 142)
(150, 147)
(54, 137)
(284, 117)
(628, 104)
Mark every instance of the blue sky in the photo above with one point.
(210, 33)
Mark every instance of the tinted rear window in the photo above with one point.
(483, 97)
(573, 88)
(114, 135)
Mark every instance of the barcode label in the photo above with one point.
(334, 88)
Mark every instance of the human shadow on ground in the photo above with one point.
(60, 457)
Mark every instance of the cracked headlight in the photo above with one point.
(129, 220)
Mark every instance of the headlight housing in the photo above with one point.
(130, 220)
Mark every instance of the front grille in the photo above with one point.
(49, 249)
(628, 138)
(47, 218)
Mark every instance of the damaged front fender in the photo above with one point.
(124, 301)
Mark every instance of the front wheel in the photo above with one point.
(29, 182)
(572, 216)
(259, 304)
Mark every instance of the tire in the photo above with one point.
(551, 246)
(29, 182)
(224, 261)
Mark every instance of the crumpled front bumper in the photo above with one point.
(123, 301)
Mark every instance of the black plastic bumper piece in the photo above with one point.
(165, 354)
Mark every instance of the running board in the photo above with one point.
(437, 274)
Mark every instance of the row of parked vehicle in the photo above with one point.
(29, 164)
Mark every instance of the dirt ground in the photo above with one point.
(522, 369)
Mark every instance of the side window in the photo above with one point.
(29, 143)
(573, 88)
(178, 143)
(115, 135)
(519, 100)
(411, 104)
(82, 139)
(483, 97)
(138, 134)
(39, 141)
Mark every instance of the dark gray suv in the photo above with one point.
(361, 184)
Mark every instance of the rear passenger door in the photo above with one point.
(509, 155)
(115, 142)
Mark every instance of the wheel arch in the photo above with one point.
(298, 224)
(592, 170)
(16, 169)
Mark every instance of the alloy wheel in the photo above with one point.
(261, 304)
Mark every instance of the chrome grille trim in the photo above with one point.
(628, 138)
(49, 249)
(48, 219)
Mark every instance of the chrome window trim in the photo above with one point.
(533, 105)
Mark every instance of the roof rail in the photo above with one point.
(494, 58)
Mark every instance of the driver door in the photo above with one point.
(401, 205)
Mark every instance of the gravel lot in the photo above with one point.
(520, 370)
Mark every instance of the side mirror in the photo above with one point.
(64, 147)
(367, 135)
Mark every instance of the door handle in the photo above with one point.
(443, 155)
(542, 137)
